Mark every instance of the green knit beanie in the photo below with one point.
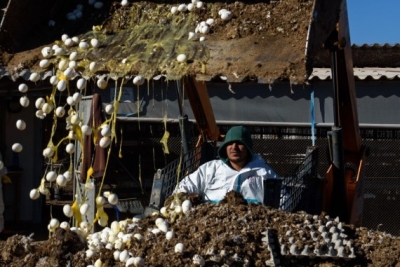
(238, 134)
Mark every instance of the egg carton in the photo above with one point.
(131, 205)
(278, 248)
(270, 240)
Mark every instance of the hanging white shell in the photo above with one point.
(102, 83)
(23, 88)
(182, 8)
(174, 9)
(21, 125)
(93, 66)
(53, 80)
(61, 85)
(68, 73)
(86, 130)
(138, 80)
(105, 130)
(60, 112)
(34, 194)
(63, 64)
(70, 101)
(70, 148)
(54, 223)
(51, 176)
(81, 84)
(48, 152)
(84, 209)
(102, 222)
(64, 37)
(104, 142)
(24, 101)
(67, 210)
(109, 108)
(39, 102)
(75, 39)
(65, 225)
(75, 119)
(100, 200)
(61, 180)
(112, 199)
(68, 175)
(77, 97)
(69, 42)
(199, 4)
(47, 108)
(72, 64)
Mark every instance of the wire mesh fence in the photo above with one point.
(299, 186)
(283, 147)
(166, 179)
(291, 192)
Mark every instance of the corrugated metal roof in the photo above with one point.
(359, 73)
(317, 74)
(367, 55)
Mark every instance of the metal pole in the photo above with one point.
(339, 203)
(312, 115)
(183, 119)
(4, 15)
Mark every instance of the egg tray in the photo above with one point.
(131, 205)
(278, 252)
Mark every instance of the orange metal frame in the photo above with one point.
(354, 152)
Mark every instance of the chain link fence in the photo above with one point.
(283, 148)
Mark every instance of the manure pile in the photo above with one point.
(231, 233)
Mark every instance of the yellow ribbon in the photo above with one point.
(164, 139)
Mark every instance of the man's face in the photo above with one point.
(237, 152)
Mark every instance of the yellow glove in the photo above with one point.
(5, 179)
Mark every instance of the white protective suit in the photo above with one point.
(3, 171)
(214, 179)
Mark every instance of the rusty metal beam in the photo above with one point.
(201, 106)
(342, 191)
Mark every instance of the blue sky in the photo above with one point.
(374, 21)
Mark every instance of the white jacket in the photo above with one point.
(214, 179)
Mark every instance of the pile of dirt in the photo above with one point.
(231, 233)
(264, 40)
